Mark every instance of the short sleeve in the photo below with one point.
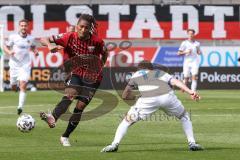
(199, 44)
(166, 77)
(10, 41)
(61, 39)
(182, 46)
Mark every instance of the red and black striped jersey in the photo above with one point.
(84, 56)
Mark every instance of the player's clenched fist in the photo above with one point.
(195, 96)
(54, 49)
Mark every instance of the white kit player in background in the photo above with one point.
(18, 49)
(155, 87)
(190, 49)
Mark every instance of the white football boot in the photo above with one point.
(110, 148)
(195, 147)
(65, 141)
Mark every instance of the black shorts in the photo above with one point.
(85, 90)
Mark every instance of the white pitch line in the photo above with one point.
(37, 105)
(14, 113)
(5, 113)
(114, 115)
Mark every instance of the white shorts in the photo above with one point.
(19, 74)
(144, 107)
(190, 67)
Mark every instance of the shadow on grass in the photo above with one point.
(180, 149)
(153, 143)
(90, 144)
(221, 148)
(159, 149)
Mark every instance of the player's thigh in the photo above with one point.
(81, 90)
(13, 76)
(13, 80)
(194, 69)
(87, 92)
(24, 74)
(73, 86)
(143, 109)
(173, 106)
(186, 69)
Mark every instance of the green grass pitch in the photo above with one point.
(215, 120)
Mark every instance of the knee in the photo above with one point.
(185, 116)
(23, 85)
(71, 93)
(186, 79)
(131, 119)
(80, 105)
(14, 87)
(67, 100)
(75, 123)
(194, 77)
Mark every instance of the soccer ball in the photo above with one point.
(25, 123)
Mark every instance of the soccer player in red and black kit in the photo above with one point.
(86, 57)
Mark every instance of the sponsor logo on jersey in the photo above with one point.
(59, 36)
(91, 48)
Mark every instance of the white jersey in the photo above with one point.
(21, 47)
(156, 93)
(193, 46)
(151, 83)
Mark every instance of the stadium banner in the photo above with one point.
(208, 77)
(226, 56)
(117, 78)
(129, 21)
(212, 56)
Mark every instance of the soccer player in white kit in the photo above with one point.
(18, 49)
(190, 49)
(155, 87)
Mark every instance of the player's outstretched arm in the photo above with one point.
(127, 93)
(182, 86)
(188, 51)
(34, 50)
(180, 53)
(199, 50)
(48, 42)
(104, 56)
(7, 50)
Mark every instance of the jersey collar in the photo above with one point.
(23, 36)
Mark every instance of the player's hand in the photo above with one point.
(138, 96)
(188, 51)
(12, 53)
(36, 53)
(195, 96)
(54, 49)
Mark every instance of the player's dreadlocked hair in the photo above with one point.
(145, 65)
(91, 20)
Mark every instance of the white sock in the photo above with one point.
(121, 131)
(21, 101)
(194, 85)
(187, 127)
